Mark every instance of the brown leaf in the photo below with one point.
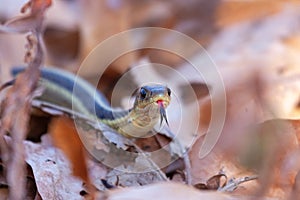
(65, 137)
(213, 183)
(51, 170)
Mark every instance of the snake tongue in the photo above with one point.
(162, 110)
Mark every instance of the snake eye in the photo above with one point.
(143, 93)
(169, 91)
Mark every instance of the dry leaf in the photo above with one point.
(65, 137)
(52, 171)
(15, 115)
(28, 22)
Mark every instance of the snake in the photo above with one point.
(66, 89)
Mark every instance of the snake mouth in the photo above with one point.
(162, 101)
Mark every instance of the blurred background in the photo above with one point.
(254, 43)
(250, 35)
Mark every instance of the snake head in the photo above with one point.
(152, 100)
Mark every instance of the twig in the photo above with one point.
(15, 118)
(234, 183)
(20, 125)
(17, 104)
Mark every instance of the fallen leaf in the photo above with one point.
(52, 171)
(65, 137)
(213, 183)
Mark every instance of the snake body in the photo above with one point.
(66, 89)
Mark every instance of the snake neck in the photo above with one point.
(138, 122)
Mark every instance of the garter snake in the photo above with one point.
(66, 89)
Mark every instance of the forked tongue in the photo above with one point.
(162, 111)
